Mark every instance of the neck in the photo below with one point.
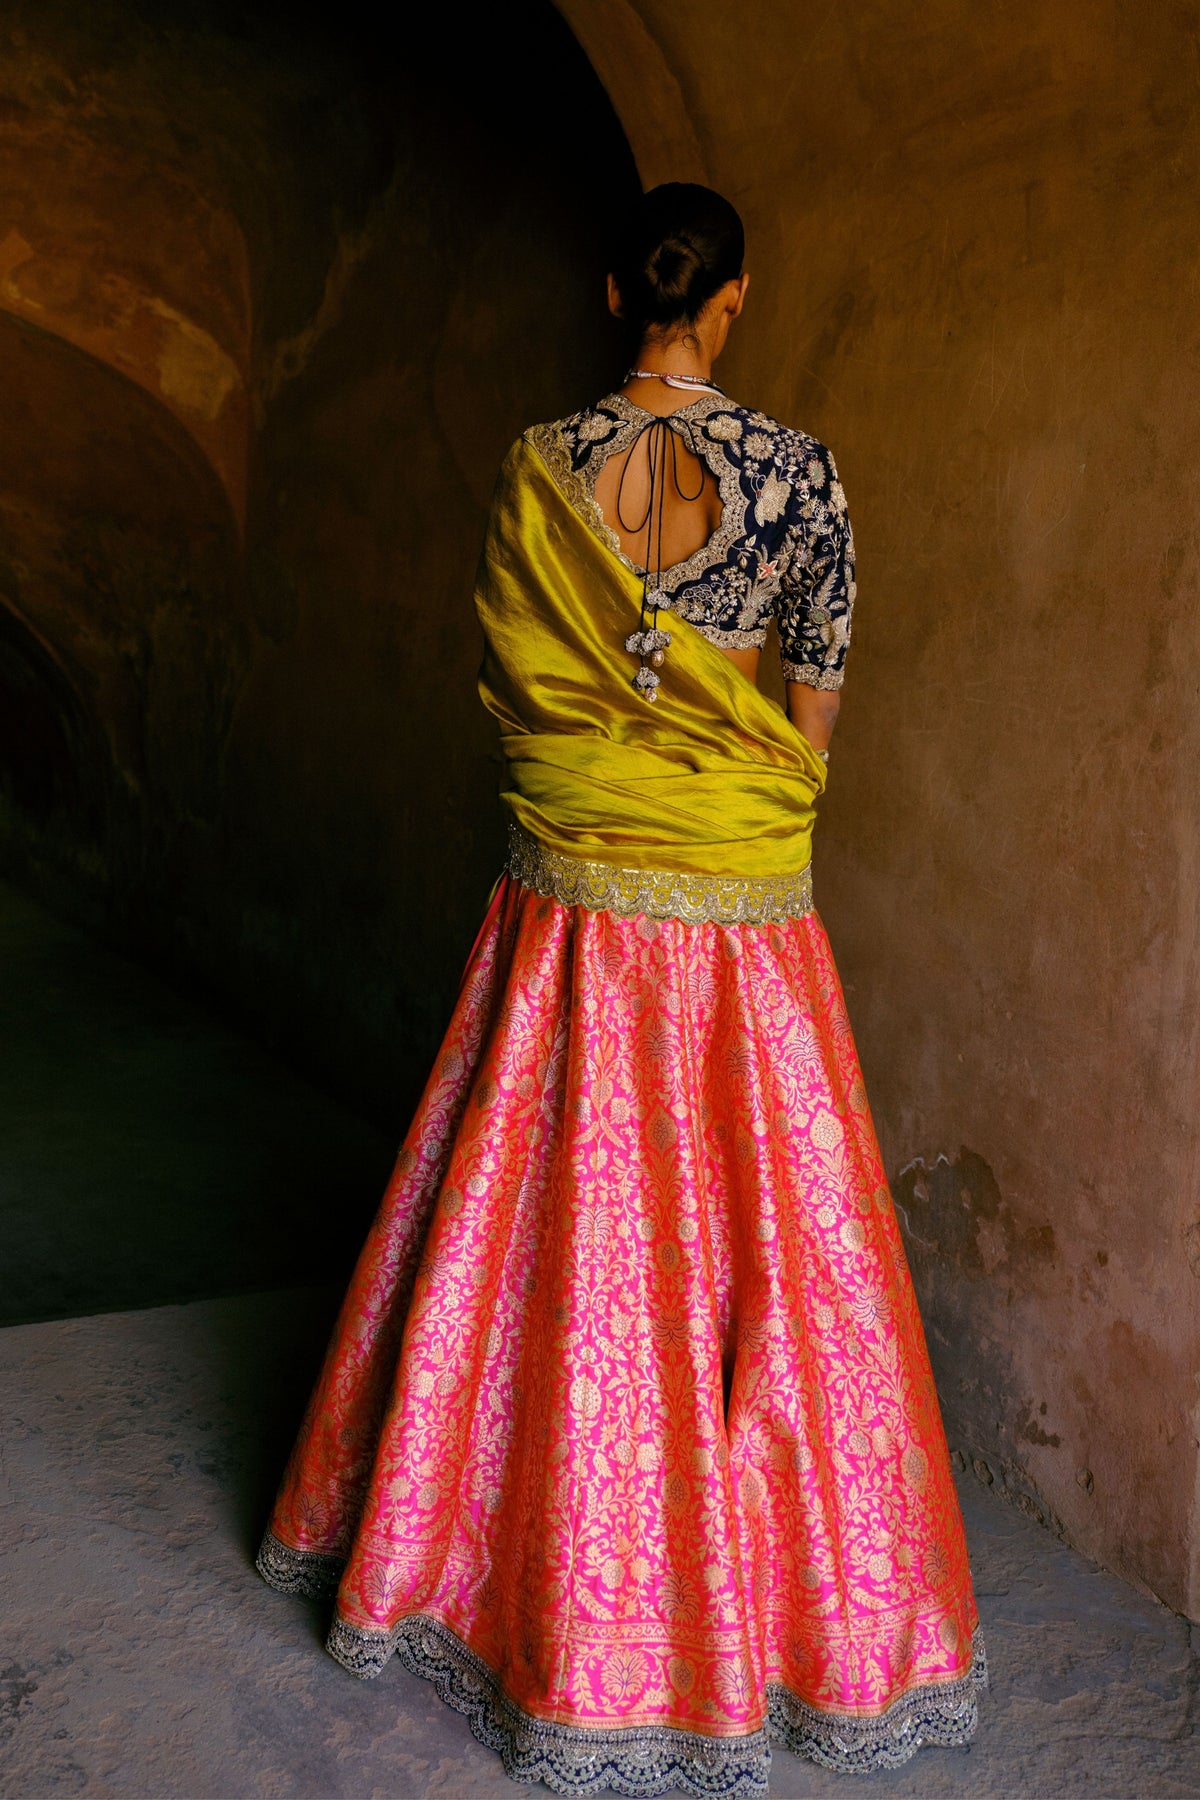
(677, 358)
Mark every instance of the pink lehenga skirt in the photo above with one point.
(627, 1438)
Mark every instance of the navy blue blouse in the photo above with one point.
(783, 548)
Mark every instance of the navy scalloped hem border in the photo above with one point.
(639, 1762)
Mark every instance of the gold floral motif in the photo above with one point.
(773, 497)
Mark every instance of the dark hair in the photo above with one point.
(681, 244)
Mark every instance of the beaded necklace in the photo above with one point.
(676, 381)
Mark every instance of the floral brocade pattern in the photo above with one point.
(628, 1404)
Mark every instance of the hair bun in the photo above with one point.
(671, 273)
(681, 245)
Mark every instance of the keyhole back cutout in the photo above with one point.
(687, 524)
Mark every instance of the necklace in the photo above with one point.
(676, 381)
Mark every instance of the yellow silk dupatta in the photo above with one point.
(712, 780)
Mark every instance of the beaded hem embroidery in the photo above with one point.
(637, 1761)
(312, 1573)
(658, 893)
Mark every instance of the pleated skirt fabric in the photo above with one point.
(627, 1437)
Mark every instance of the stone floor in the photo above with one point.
(143, 1657)
(147, 1155)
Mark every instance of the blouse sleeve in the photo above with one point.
(817, 591)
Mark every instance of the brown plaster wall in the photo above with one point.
(974, 272)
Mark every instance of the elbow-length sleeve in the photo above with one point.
(817, 590)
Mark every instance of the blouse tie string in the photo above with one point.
(648, 643)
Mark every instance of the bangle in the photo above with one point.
(824, 756)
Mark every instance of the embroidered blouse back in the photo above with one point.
(780, 545)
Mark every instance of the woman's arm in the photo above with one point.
(817, 599)
(813, 711)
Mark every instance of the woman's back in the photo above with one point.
(768, 535)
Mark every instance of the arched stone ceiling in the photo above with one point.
(118, 253)
(643, 88)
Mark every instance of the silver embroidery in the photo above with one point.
(728, 637)
(773, 496)
(945, 1713)
(706, 588)
(810, 677)
(308, 1572)
(579, 485)
(548, 442)
(658, 893)
(577, 1760)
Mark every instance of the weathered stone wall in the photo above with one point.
(974, 268)
(274, 294)
(277, 288)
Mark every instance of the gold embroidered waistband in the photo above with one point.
(659, 893)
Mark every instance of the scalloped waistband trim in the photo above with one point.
(657, 893)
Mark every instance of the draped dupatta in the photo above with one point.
(712, 780)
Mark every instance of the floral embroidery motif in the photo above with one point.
(626, 1437)
(773, 496)
(783, 548)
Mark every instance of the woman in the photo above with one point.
(627, 1437)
